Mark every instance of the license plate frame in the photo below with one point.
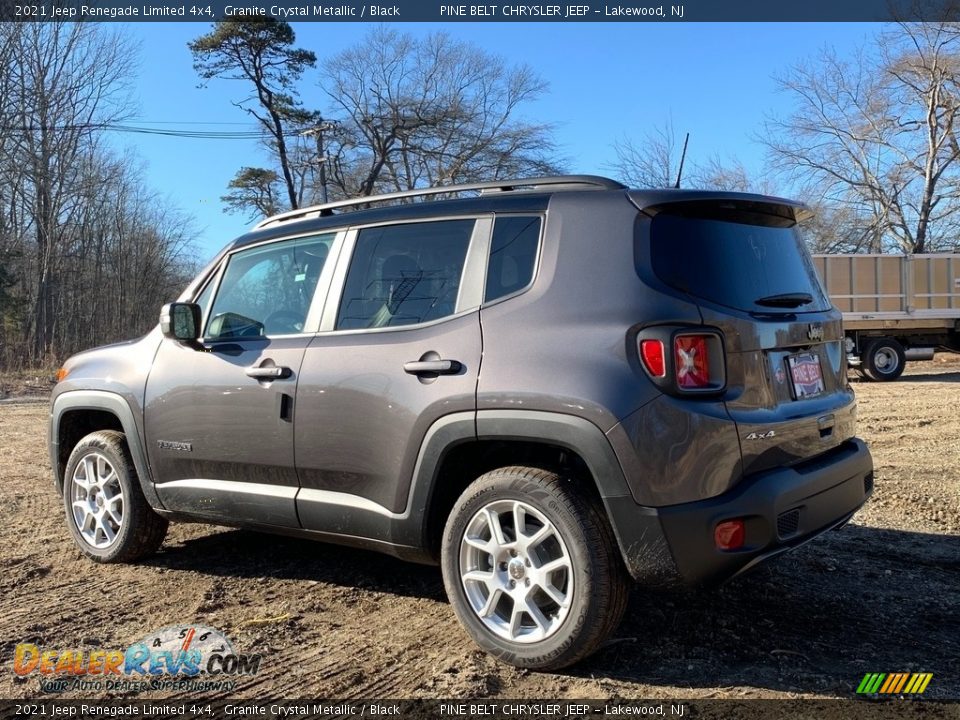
(806, 375)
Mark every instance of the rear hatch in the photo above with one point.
(743, 262)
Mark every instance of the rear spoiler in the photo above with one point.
(720, 205)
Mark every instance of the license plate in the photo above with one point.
(806, 375)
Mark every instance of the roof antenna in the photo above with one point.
(683, 157)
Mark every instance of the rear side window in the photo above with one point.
(513, 255)
(404, 274)
(759, 266)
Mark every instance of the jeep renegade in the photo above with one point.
(547, 386)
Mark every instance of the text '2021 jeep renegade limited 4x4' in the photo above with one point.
(546, 385)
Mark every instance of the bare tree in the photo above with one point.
(653, 161)
(877, 134)
(261, 52)
(839, 228)
(126, 251)
(7, 189)
(429, 111)
(87, 254)
(67, 82)
(731, 174)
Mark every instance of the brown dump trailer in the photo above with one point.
(895, 307)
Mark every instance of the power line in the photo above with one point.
(147, 130)
(191, 122)
(201, 134)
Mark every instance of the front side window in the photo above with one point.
(267, 290)
(404, 274)
(203, 299)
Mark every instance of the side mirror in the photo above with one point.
(180, 321)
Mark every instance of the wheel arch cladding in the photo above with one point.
(77, 413)
(74, 425)
(505, 432)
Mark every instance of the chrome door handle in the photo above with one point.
(271, 372)
(434, 367)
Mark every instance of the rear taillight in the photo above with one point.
(683, 360)
(653, 356)
(691, 361)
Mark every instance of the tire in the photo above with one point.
(567, 612)
(109, 519)
(883, 359)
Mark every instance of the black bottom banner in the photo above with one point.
(201, 709)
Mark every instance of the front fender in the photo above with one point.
(107, 402)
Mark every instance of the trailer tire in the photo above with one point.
(884, 359)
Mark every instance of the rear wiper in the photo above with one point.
(788, 300)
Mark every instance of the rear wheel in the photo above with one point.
(532, 569)
(884, 359)
(107, 515)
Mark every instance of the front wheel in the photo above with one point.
(532, 569)
(107, 515)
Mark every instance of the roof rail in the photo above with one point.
(558, 182)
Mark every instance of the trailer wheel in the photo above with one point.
(884, 359)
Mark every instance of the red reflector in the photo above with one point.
(728, 535)
(651, 351)
(692, 363)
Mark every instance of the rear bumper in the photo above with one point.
(781, 508)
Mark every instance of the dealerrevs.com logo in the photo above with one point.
(181, 657)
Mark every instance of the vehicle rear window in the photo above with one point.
(735, 263)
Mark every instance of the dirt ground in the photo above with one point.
(880, 595)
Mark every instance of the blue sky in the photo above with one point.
(607, 81)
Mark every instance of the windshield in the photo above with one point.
(752, 266)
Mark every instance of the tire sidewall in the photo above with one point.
(565, 640)
(126, 477)
(893, 348)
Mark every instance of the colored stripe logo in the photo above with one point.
(894, 683)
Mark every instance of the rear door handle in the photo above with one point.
(433, 367)
(271, 372)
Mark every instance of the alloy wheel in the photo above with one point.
(516, 571)
(97, 501)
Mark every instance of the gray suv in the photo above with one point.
(547, 386)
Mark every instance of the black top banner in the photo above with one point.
(390, 11)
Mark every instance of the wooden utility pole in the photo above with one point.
(317, 131)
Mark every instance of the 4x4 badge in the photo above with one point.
(761, 436)
(815, 331)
